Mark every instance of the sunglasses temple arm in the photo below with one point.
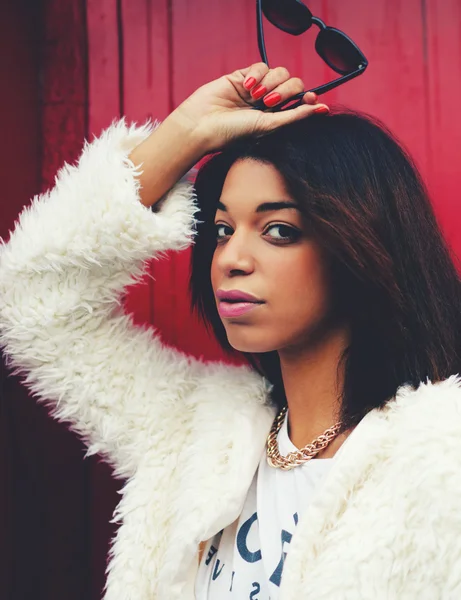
(321, 89)
(318, 90)
(261, 43)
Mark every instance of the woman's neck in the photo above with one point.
(313, 384)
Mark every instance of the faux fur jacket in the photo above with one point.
(187, 435)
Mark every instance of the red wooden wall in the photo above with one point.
(100, 59)
(146, 56)
(44, 493)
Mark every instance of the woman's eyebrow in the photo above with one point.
(266, 206)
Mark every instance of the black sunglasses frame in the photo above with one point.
(295, 101)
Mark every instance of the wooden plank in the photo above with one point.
(63, 86)
(103, 64)
(146, 59)
(227, 38)
(208, 40)
(19, 112)
(104, 105)
(146, 93)
(442, 54)
(49, 537)
(49, 455)
(393, 87)
(44, 459)
(20, 126)
(8, 532)
(148, 85)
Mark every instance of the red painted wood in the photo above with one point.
(394, 86)
(148, 88)
(146, 93)
(104, 96)
(143, 61)
(19, 110)
(208, 40)
(442, 52)
(103, 64)
(63, 75)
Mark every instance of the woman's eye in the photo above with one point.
(285, 233)
(282, 233)
(220, 233)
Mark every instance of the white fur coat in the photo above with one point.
(187, 435)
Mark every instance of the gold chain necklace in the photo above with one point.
(299, 457)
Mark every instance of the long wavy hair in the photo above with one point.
(394, 279)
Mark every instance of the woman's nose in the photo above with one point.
(236, 255)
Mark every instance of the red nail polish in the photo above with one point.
(259, 92)
(321, 110)
(272, 99)
(249, 83)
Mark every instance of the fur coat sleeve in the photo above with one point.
(62, 274)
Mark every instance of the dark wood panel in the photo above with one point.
(51, 456)
(19, 108)
(46, 511)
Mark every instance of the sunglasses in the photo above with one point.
(332, 45)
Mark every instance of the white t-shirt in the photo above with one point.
(245, 560)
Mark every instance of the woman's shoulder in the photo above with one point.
(429, 412)
(421, 447)
(410, 450)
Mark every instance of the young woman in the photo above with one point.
(317, 256)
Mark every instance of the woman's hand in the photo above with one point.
(222, 110)
(214, 115)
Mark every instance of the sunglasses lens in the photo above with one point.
(291, 16)
(338, 51)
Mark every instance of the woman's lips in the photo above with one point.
(235, 309)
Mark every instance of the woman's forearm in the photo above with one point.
(72, 254)
(166, 155)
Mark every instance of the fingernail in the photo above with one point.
(272, 99)
(249, 83)
(259, 92)
(321, 110)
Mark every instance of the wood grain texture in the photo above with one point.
(170, 47)
(51, 456)
(64, 85)
(103, 64)
(146, 93)
(143, 58)
(105, 103)
(46, 552)
(442, 57)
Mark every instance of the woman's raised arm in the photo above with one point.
(75, 249)
(62, 275)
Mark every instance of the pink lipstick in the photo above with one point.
(234, 303)
(235, 309)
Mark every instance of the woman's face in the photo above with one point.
(266, 251)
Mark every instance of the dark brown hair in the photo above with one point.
(393, 277)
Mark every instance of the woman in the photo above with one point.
(318, 256)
